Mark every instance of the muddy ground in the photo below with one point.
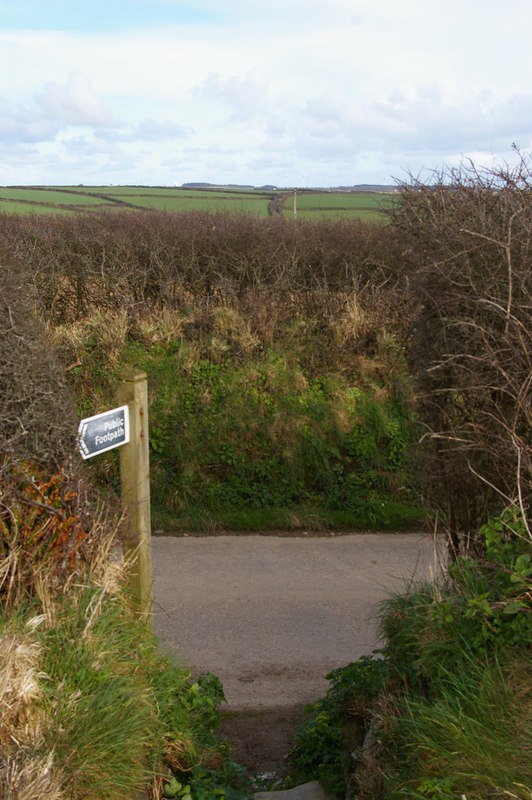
(261, 740)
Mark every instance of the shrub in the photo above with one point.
(482, 608)
(321, 751)
(37, 419)
(43, 531)
(466, 237)
(447, 711)
(243, 420)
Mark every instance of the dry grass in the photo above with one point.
(232, 329)
(163, 325)
(353, 323)
(19, 688)
(24, 776)
(27, 771)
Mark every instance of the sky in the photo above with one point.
(283, 92)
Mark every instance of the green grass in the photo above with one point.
(472, 738)
(35, 200)
(197, 201)
(98, 713)
(49, 196)
(306, 519)
(448, 705)
(339, 205)
(93, 701)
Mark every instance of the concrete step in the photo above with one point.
(307, 791)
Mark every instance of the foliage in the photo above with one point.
(229, 781)
(89, 706)
(114, 261)
(265, 435)
(37, 419)
(483, 607)
(92, 713)
(97, 691)
(269, 348)
(204, 770)
(54, 530)
(319, 752)
(446, 712)
(459, 667)
(93, 697)
(275, 358)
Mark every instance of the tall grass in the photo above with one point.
(89, 707)
(470, 738)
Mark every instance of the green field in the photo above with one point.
(73, 199)
(76, 199)
(339, 205)
(186, 200)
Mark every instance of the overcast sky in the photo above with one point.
(285, 92)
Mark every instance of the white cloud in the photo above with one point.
(148, 130)
(244, 97)
(288, 92)
(151, 130)
(74, 102)
(21, 125)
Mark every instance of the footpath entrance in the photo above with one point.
(272, 615)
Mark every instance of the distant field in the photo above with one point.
(73, 199)
(76, 199)
(339, 205)
(185, 200)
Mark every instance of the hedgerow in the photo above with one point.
(466, 236)
(124, 260)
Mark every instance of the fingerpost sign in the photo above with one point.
(127, 425)
(103, 432)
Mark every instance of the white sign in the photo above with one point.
(103, 432)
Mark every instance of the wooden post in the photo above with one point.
(135, 491)
(295, 203)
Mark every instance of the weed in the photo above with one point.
(320, 752)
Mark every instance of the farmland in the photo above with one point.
(368, 206)
(89, 199)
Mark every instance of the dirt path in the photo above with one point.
(272, 615)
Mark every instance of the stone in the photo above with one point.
(307, 791)
(353, 735)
